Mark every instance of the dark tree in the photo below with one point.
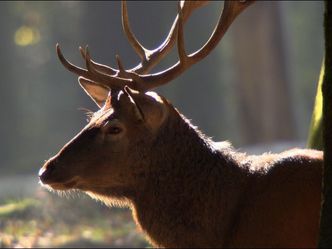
(326, 215)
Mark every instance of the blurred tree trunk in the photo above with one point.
(204, 87)
(326, 214)
(263, 84)
(9, 104)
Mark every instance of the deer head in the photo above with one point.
(111, 152)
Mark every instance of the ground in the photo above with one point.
(41, 219)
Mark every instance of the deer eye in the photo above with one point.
(113, 130)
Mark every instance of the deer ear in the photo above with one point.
(97, 92)
(135, 109)
(149, 107)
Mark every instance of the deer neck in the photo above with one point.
(188, 179)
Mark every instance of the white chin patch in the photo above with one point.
(155, 96)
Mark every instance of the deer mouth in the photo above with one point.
(50, 179)
(63, 185)
(59, 185)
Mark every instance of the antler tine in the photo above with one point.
(231, 10)
(137, 46)
(92, 74)
(88, 60)
(180, 41)
(72, 68)
(150, 58)
(120, 65)
(100, 67)
(113, 82)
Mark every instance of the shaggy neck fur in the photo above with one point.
(188, 180)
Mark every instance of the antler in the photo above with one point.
(137, 77)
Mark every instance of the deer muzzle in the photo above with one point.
(51, 175)
(46, 172)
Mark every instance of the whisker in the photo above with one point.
(89, 114)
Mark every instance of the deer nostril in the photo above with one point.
(46, 170)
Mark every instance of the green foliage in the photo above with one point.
(315, 138)
(13, 207)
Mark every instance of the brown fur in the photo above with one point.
(184, 189)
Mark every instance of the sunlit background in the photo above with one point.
(256, 89)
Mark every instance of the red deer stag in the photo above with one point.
(184, 189)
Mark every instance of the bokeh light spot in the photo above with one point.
(25, 36)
